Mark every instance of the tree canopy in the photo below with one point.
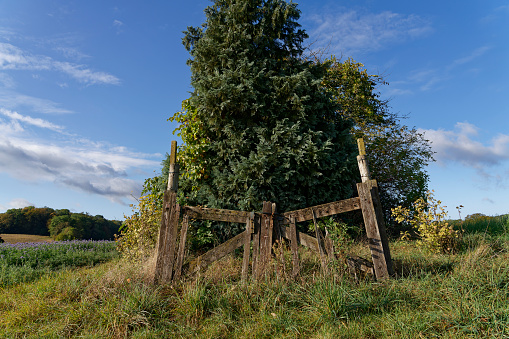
(256, 126)
(59, 224)
(397, 154)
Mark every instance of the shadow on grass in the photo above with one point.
(419, 268)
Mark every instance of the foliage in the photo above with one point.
(47, 221)
(254, 128)
(27, 220)
(139, 231)
(82, 226)
(397, 158)
(397, 154)
(341, 233)
(138, 234)
(427, 218)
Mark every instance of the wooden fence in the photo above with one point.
(264, 229)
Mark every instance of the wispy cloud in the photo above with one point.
(71, 53)
(7, 81)
(430, 78)
(92, 167)
(118, 26)
(16, 203)
(348, 31)
(85, 75)
(472, 56)
(13, 100)
(460, 146)
(29, 120)
(14, 58)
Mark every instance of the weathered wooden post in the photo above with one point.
(265, 241)
(247, 244)
(166, 243)
(362, 161)
(295, 247)
(173, 175)
(320, 243)
(373, 218)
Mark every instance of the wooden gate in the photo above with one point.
(265, 228)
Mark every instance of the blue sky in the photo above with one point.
(86, 88)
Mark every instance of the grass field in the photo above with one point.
(15, 238)
(461, 295)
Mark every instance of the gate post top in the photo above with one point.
(173, 154)
(361, 146)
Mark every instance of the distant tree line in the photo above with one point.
(60, 224)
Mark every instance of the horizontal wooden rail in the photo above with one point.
(302, 238)
(216, 214)
(324, 210)
(217, 253)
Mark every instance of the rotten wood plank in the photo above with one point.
(319, 240)
(375, 228)
(216, 214)
(265, 239)
(180, 256)
(294, 246)
(172, 244)
(256, 244)
(278, 243)
(324, 210)
(329, 248)
(359, 266)
(216, 253)
(167, 238)
(247, 245)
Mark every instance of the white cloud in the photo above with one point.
(32, 121)
(459, 145)
(13, 58)
(7, 81)
(92, 167)
(348, 31)
(84, 75)
(16, 203)
(13, 100)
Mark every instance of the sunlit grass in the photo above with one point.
(462, 295)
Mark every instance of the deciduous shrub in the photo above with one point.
(427, 218)
(138, 233)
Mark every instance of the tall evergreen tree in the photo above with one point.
(256, 126)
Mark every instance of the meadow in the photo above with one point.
(460, 295)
